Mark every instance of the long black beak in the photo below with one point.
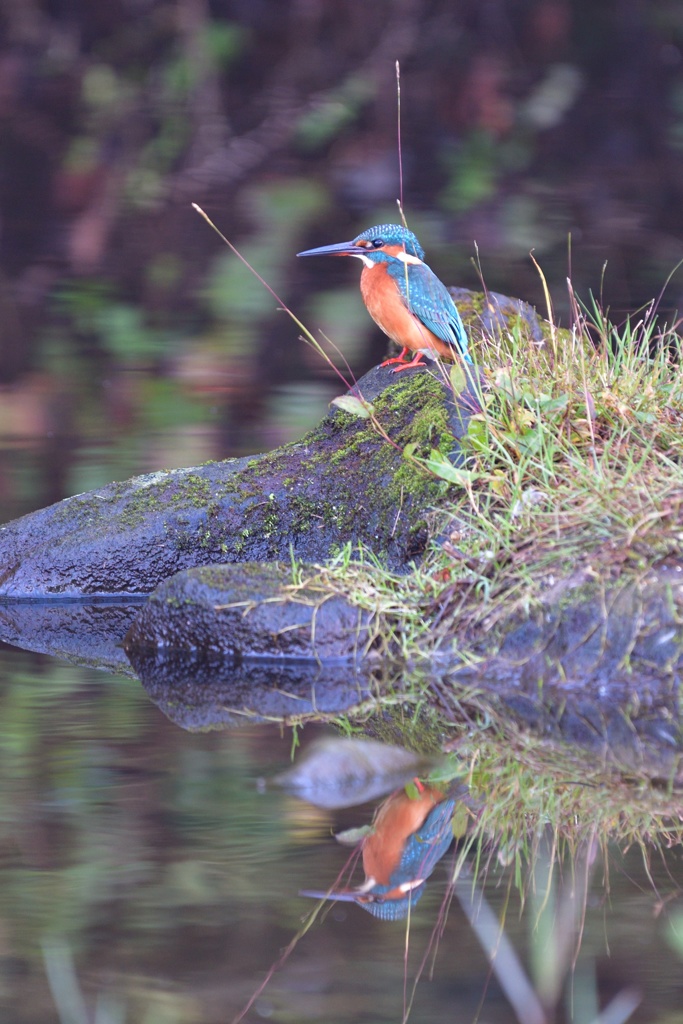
(341, 895)
(340, 249)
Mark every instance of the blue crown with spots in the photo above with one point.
(394, 234)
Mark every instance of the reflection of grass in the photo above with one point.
(541, 819)
(536, 823)
(66, 992)
(524, 788)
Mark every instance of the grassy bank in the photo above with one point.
(573, 464)
(573, 477)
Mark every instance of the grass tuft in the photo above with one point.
(575, 471)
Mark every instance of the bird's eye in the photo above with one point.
(378, 243)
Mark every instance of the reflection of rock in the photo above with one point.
(82, 633)
(644, 741)
(632, 723)
(595, 666)
(250, 610)
(343, 482)
(205, 691)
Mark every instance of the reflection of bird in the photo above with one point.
(409, 835)
(403, 296)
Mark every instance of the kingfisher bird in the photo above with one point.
(403, 295)
(409, 836)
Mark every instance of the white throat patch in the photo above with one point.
(366, 259)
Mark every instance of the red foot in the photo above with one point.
(417, 360)
(395, 359)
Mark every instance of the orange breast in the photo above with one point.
(387, 308)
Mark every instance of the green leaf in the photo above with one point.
(458, 378)
(445, 470)
(353, 836)
(552, 408)
(449, 767)
(460, 821)
(478, 433)
(531, 441)
(354, 405)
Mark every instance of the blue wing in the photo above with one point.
(428, 845)
(429, 299)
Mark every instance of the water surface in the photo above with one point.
(144, 870)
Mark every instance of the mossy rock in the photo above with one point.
(491, 313)
(343, 482)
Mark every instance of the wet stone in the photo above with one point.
(250, 610)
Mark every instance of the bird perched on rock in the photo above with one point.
(403, 295)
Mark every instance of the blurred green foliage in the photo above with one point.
(519, 127)
(333, 113)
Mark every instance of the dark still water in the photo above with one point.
(146, 876)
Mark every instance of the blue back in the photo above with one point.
(431, 302)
